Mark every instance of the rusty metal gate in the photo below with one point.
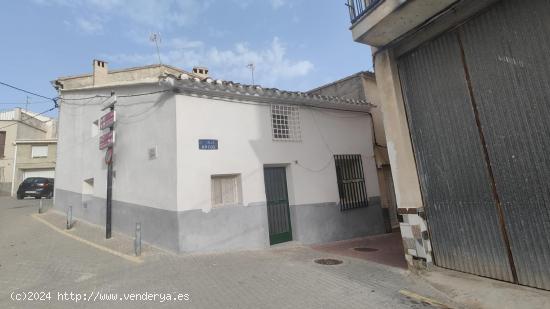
(478, 105)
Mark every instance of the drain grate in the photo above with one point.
(328, 261)
(365, 249)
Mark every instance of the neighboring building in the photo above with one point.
(362, 86)
(206, 164)
(20, 125)
(465, 98)
(33, 158)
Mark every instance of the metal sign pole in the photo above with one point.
(109, 197)
(109, 183)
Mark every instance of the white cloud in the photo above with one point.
(273, 65)
(154, 14)
(181, 43)
(277, 3)
(93, 25)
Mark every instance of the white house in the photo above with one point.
(209, 165)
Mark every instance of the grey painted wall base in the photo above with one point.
(318, 223)
(227, 228)
(224, 228)
(158, 227)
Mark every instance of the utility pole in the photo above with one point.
(107, 141)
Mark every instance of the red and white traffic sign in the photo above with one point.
(107, 140)
(107, 120)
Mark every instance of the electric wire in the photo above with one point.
(28, 92)
(329, 162)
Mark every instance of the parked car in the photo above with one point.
(37, 187)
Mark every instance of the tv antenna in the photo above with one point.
(251, 66)
(155, 37)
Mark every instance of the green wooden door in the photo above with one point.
(278, 213)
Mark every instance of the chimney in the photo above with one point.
(100, 72)
(202, 72)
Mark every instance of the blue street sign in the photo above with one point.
(208, 144)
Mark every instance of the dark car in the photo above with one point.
(37, 187)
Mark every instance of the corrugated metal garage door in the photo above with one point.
(478, 102)
(48, 173)
(455, 183)
(507, 53)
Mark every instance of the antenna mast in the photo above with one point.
(155, 37)
(252, 66)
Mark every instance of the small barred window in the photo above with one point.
(285, 123)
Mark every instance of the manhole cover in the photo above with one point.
(365, 249)
(328, 261)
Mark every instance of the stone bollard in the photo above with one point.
(137, 240)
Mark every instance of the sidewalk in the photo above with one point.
(468, 290)
(478, 292)
(119, 244)
(386, 249)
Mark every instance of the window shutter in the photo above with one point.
(229, 190)
(217, 191)
(39, 151)
(225, 190)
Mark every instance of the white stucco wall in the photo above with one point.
(142, 122)
(179, 179)
(243, 132)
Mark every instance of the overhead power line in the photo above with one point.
(29, 92)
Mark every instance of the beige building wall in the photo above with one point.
(20, 125)
(6, 161)
(25, 161)
(400, 150)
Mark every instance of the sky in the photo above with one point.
(294, 44)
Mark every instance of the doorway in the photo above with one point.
(278, 212)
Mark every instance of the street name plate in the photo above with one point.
(208, 144)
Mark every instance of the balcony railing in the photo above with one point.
(358, 8)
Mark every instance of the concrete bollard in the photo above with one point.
(69, 217)
(40, 206)
(137, 240)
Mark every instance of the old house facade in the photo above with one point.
(209, 165)
(464, 92)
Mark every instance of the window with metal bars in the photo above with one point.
(351, 181)
(285, 123)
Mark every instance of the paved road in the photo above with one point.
(35, 258)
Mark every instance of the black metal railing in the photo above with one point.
(358, 8)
